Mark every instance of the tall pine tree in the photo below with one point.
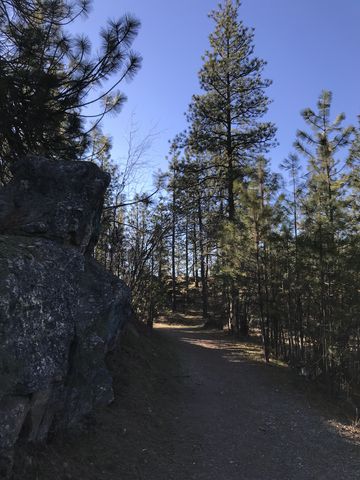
(225, 119)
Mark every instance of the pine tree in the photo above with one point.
(293, 267)
(325, 219)
(49, 79)
(261, 218)
(225, 119)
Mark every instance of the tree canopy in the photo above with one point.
(51, 81)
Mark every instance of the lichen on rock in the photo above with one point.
(60, 311)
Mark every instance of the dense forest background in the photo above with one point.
(274, 255)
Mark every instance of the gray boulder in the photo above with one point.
(58, 200)
(60, 311)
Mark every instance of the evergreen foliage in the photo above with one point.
(50, 79)
(279, 262)
(275, 257)
(291, 255)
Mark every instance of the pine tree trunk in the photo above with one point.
(195, 259)
(173, 252)
(204, 287)
(187, 255)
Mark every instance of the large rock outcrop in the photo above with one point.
(60, 311)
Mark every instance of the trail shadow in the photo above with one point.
(281, 383)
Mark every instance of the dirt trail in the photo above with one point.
(193, 404)
(240, 419)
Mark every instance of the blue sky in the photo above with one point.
(309, 45)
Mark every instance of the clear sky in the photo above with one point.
(309, 45)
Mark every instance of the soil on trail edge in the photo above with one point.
(193, 404)
(243, 420)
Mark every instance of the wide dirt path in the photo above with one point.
(240, 419)
(194, 404)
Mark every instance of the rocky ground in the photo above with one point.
(194, 404)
